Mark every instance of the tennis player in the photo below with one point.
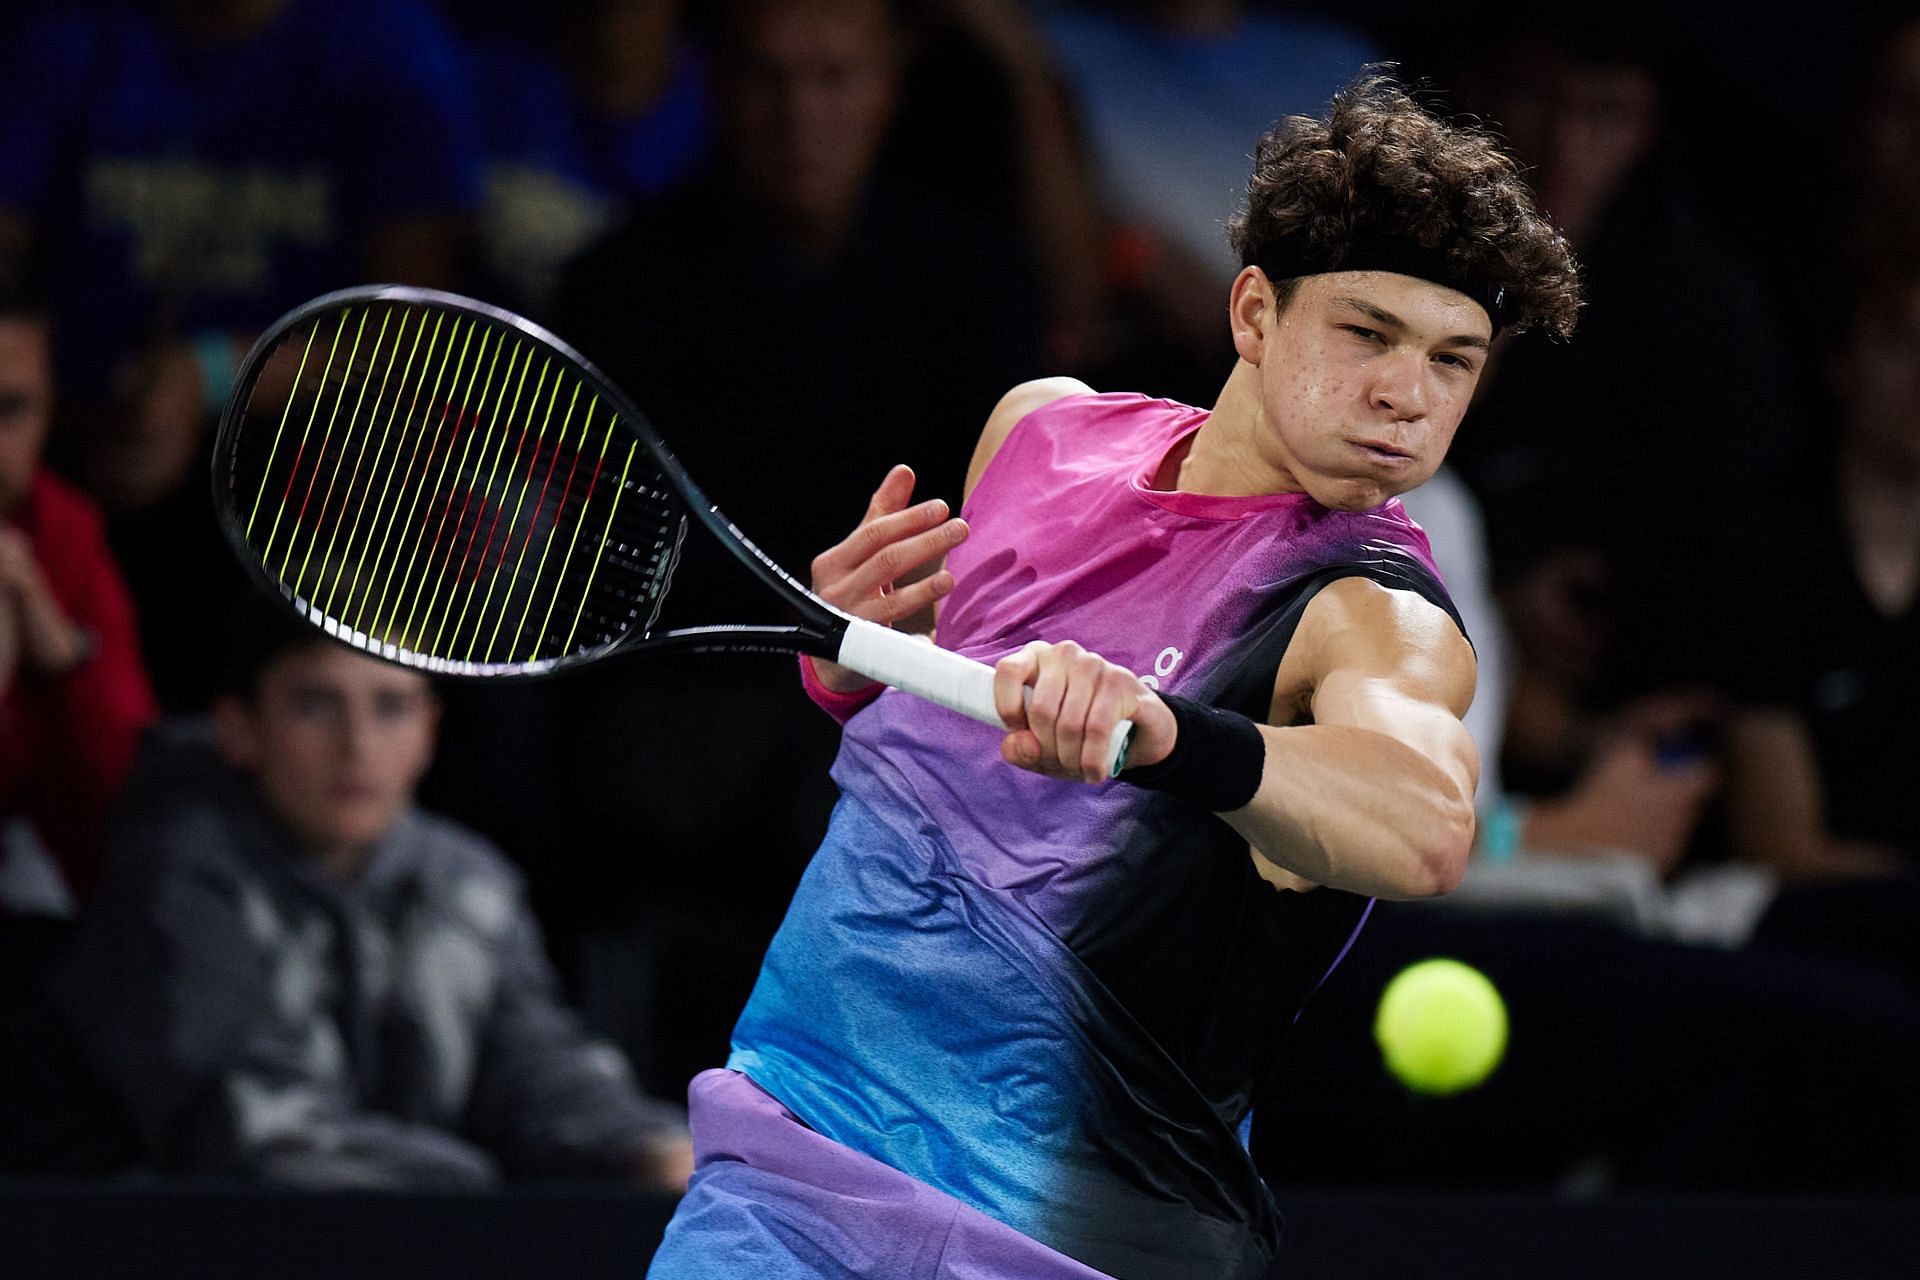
(1015, 1017)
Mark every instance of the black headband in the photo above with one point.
(1387, 253)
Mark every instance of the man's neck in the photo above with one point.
(1224, 459)
(341, 864)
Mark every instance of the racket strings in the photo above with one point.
(435, 487)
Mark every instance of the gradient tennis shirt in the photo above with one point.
(1051, 1002)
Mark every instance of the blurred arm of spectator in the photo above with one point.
(73, 694)
(1627, 800)
(1776, 809)
(1823, 753)
(1061, 209)
(550, 1100)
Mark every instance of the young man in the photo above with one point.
(294, 975)
(1012, 1022)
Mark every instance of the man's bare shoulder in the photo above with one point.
(1359, 626)
(1028, 396)
(1015, 405)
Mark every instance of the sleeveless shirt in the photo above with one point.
(1051, 1000)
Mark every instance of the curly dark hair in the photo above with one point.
(1381, 181)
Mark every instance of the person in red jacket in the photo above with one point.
(73, 694)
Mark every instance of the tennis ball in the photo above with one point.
(1441, 1026)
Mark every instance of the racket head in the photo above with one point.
(444, 484)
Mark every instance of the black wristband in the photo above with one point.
(1216, 759)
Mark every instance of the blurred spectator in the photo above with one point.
(1647, 1050)
(1170, 91)
(295, 975)
(1621, 473)
(73, 695)
(793, 250)
(986, 124)
(1823, 752)
(185, 170)
(795, 324)
(584, 108)
(1887, 144)
(1611, 843)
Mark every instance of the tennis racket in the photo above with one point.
(446, 485)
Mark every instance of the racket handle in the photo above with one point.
(942, 676)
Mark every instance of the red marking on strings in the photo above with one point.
(567, 490)
(459, 575)
(500, 507)
(406, 487)
(294, 474)
(592, 483)
(457, 522)
(451, 442)
(541, 502)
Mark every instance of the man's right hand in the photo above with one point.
(879, 571)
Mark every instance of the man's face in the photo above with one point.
(337, 741)
(26, 403)
(1364, 378)
(806, 96)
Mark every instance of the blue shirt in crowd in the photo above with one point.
(177, 184)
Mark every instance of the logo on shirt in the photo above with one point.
(1163, 667)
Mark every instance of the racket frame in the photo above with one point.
(824, 631)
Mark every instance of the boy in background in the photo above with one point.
(295, 975)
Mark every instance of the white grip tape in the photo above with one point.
(939, 675)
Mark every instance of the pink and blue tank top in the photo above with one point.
(1053, 1001)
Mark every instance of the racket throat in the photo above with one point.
(920, 667)
(925, 670)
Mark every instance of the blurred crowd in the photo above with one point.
(269, 909)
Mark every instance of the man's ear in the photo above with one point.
(1250, 312)
(235, 732)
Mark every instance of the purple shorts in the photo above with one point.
(773, 1200)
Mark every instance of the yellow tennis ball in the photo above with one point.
(1441, 1026)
